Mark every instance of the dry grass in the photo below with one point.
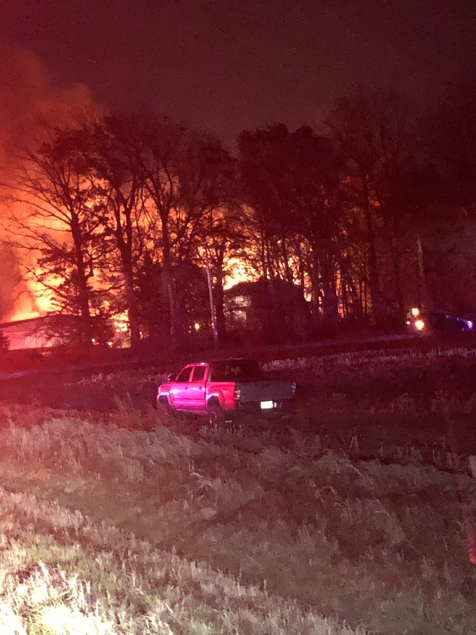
(380, 545)
(61, 574)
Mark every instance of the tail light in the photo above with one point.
(237, 395)
(293, 387)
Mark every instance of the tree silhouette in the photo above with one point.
(53, 221)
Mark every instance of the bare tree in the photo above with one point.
(53, 193)
(119, 207)
(182, 177)
(376, 136)
(292, 180)
(166, 160)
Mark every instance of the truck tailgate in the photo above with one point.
(264, 390)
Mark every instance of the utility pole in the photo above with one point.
(423, 292)
(212, 303)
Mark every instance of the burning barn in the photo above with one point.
(39, 332)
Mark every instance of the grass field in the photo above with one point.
(357, 518)
(113, 524)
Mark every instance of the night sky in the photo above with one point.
(226, 65)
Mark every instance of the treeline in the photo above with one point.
(349, 226)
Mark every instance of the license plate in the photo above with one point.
(266, 405)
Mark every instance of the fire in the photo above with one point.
(31, 304)
(28, 101)
(238, 271)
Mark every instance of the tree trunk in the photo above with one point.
(356, 296)
(316, 291)
(85, 335)
(330, 302)
(288, 276)
(397, 272)
(170, 312)
(424, 299)
(219, 296)
(131, 306)
(393, 232)
(375, 291)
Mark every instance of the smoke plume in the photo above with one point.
(28, 101)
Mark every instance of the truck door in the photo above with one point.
(197, 388)
(179, 388)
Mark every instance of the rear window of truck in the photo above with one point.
(236, 370)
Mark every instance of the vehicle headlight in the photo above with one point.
(419, 325)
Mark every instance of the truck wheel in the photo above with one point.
(164, 406)
(217, 418)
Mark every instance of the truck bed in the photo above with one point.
(264, 390)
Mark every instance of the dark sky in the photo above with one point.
(226, 65)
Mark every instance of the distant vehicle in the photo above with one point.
(437, 322)
(223, 390)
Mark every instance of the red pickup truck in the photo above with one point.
(223, 390)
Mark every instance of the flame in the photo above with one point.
(28, 102)
(31, 304)
(238, 271)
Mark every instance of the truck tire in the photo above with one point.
(216, 416)
(164, 406)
